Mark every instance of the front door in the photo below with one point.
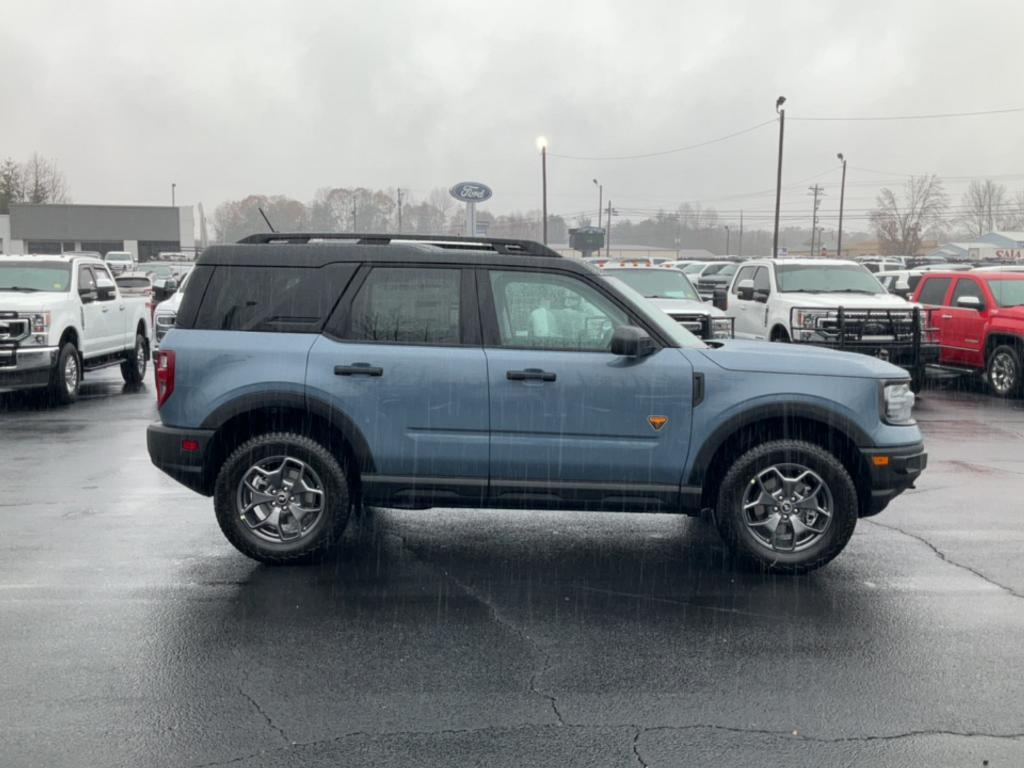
(965, 330)
(93, 317)
(111, 321)
(402, 359)
(570, 420)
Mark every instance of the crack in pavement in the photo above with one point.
(639, 732)
(500, 620)
(270, 722)
(945, 558)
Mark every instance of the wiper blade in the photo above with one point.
(854, 290)
(19, 288)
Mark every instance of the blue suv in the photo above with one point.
(309, 374)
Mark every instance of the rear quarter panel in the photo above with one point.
(213, 368)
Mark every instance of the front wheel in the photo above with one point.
(1004, 371)
(133, 368)
(66, 376)
(787, 505)
(282, 498)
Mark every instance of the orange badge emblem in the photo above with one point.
(657, 422)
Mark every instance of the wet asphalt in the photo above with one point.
(132, 634)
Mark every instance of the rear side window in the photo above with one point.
(934, 291)
(410, 305)
(268, 299)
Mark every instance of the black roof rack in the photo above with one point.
(502, 245)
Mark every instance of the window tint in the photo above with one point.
(747, 273)
(1008, 293)
(967, 287)
(547, 311)
(414, 305)
(761, 283)
(934, 290)
(281, 299)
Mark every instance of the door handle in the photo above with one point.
(947, 317)
(530, 374)
(106, 309)
(358, 369)
(121, 308)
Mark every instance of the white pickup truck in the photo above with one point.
(62, 316)
(829, 303)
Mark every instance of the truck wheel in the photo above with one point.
(787, 505)
(282, 498)
(133, 369)
(781, 335)
(66, 376)
(1004, 371)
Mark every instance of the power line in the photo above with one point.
(664, 151)
(914, 117)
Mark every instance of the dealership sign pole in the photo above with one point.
(471, 193)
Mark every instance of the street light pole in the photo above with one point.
(726, 239)
(842, 194)
(778, 178)
(600, 201)
(542, 145)
(173, 185)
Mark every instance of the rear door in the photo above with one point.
(402, 359)
(932, 294)
(571, 422)
(966, 327)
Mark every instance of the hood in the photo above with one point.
(803, 359)
(686, 306)
(1012, 313)
(17, 301)
(171, 304)
(848, 300)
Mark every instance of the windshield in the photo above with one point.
(160, 270)
(665, 324)
(30, 277)
(657, 284)
(720, 270)
(1007, 293)
(826, 278)
(118, 257)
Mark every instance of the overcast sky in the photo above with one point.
(232, 98)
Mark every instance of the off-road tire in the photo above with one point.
(326, 531)
(729, 509)
(59, 390)
(1008, 355)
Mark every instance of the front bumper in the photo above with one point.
(891, 471)
(188, 467)
(26, 367)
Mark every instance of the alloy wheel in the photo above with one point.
(1003, 372)
(280, 499)
(71, 374)
(787, 507)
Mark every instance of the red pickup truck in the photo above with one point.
(980, 318)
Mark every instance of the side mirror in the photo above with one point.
(745, 290)
(630, 341)
(170, 285)
(105, 292)
(721, 299)
(970, 302)
(761, 296)
(87, 296)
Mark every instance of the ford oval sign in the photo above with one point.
(471, 192)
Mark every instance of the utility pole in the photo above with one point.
(600, 199)
(399, 210)
(726, 239)
(741, 234)
(354, 214)
(173, 186)
(842, 196)
(778, 178)
(608, 233)
(818, 192)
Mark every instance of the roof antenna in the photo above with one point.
(267, 220)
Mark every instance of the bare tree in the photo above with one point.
(43, 181)
(1013, 215)
(10, 184)
(900, 221)
(982, 205)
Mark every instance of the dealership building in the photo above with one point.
(143, 230)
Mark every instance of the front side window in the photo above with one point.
(411, 305)
(550, 311)
(104, 284)
(761, 283)
(747, 273)
(271, 299)
(967, 287)
(934, 291)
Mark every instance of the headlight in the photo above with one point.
(898, 401)
(809, 318)
(721, 328)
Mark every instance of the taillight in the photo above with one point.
(164, 376)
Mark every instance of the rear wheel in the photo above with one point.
(1004, 371)
(133, 369)
(282, 498)
(787, 505)
(66, 376)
